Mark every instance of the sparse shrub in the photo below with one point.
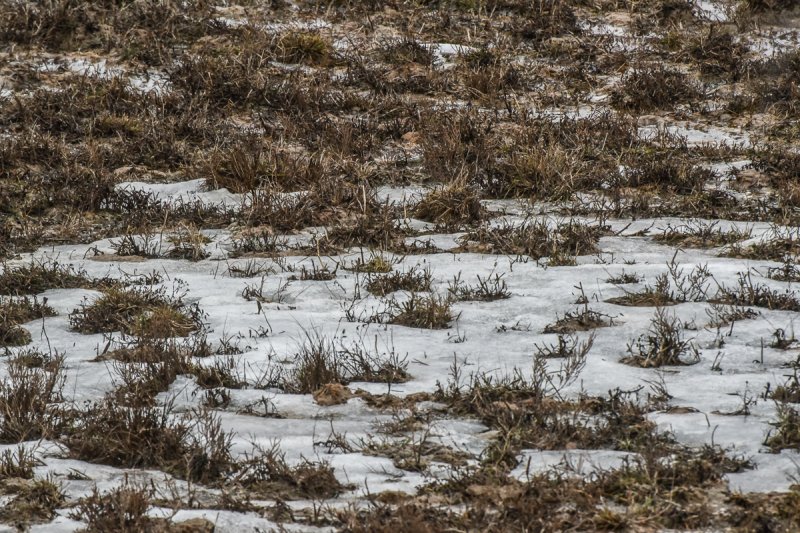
(250, 165)
(624, 278)
(670, 288)
(786, 433)
(320, 361)
(17, 464)
(487, 73)
(131, 244)
(530, 411)
(258, 241)
(302, 47)
(774, 83)
(458, 144)
(788, 271)
(549, 172)
(123, 509)
(666, 170)
(315, 273)
(369, 363)
(541, 19)
(724, 315)
(376, 264)
(789, 391)
(250, 269)
(259, 293)
(662, 345)
(778, 244)
(414, 450)
(717, 53)
(377, 228)
(148, 366)
(581, 319)
(317, 363)
(406, 50)
(188, 243)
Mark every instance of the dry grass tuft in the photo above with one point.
(749, 293)
(450, 206)
(267, 474)
(41, 275)
(662, 345)
(322, 361)
(16, 311)
(415, 279)
(699, 234)
(32, 501)
(428, 312)
(192, 446)
(142, 311)
(535, 238)
(654, 88)
(27, 400)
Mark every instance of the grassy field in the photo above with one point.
(423, 266)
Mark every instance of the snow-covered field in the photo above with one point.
(441, 200)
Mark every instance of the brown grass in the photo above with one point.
(142, 311)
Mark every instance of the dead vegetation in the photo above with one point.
(428, 312)
(649, 88)
(190, 446)
(307, 111)
(670, 288)
(487, 289)
(31, 501)
(142, 311)
(450, 206)
(580, 319)
(126, 508)
(29, 399)
(322, 361)
(778, 244)
(748, 292)
(662, 345)
(535, 238)
(266, 474)
(415, 279)
(699, 234)
(40, 275)
(16, 311)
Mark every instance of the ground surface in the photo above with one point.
(407, 266)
